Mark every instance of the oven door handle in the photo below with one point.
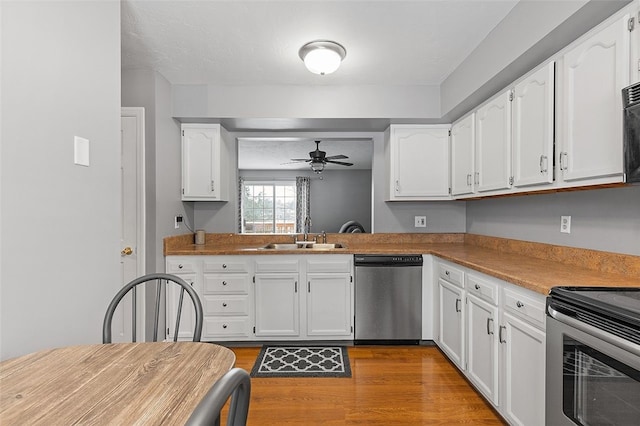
(594, 331)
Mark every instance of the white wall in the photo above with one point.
(60, 223)
(603, 219)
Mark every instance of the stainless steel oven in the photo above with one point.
(593, 356)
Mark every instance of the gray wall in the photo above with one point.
(340, 196)
(60, 223)
(603, 219)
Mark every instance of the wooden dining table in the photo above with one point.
(117, 384)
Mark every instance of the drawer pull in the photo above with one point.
(224, 304)
(458, 305)
(500, 330)
(489, 325)
(224, 325)
(224, 266)
(519, 304)
(180, 266)
(477, 287)
(224, 283)
(447, 273)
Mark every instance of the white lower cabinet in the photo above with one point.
(497, 340)
(329, 304)
(187, 269)
(277, 305)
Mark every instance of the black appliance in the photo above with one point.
(593, 356)
(631, 132)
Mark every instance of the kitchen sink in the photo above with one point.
(306, 245)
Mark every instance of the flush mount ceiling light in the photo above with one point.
(322, 56)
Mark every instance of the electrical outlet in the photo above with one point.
(178, 221)
(565, 224)
(420, 221)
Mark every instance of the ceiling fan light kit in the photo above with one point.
(318, 159)
(322, 56)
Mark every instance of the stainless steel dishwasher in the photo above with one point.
(388, 299)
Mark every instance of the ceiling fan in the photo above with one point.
(318, 159)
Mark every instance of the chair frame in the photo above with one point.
(132, 286)
(236, 383)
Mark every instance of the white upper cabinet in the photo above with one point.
(203, 163)
(493, 144)
(418, 162)
(593, 74)
(462, 147)
(533, 127)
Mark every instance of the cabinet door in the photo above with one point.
(329, 304)
(452, 322)
(419, 162)
(200, 163)
(462, 146)
(277, 305)
(188, 314)
(533, 127)
(493, 144)
(593, 74)
(523, 371)
(482, 347)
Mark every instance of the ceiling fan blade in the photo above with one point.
(342, 163)
(336, 157)
(301, 159)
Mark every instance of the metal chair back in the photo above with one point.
(161, 281)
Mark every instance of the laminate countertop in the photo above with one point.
(535, 266)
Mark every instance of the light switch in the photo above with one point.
(81, 151)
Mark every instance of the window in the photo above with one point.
(268, 207)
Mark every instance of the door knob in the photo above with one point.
(126, 251)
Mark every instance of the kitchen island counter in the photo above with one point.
(535, 266)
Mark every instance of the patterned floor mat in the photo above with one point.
(302, 361)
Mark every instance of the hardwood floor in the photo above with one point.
(390, 385)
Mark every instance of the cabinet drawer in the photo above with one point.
(329, 264)
(525, 306)
(180, 267)
(482, 288)
(226, 283)
(225, 327)
(453, 275)
(229, 305)
(226, 264)
(276, 265)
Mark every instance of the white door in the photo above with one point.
(482, 347)
(328, 304)
(452, 322)
(420, 161)
(593, 75)
(533, 121)
(493, 144)
(462, 145)
(132, 232)
(277, 305)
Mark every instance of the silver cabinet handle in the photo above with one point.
(309, 286)
(224, 304)
(397, 186)
(477, 287)
(563, 158)
(469, 179)
(458, 305)
(447, 273)
(519, 304)
(489, 325)
(224, 266)
(213, 187)
(224, 283)
(224, 325)
(543, 164)
(295, 287)
(180, 266)
(477, 178)
(500, 330)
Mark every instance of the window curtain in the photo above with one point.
(240, 196)
(303, 202)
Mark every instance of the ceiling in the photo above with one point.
(265, 153)
(240, 42)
